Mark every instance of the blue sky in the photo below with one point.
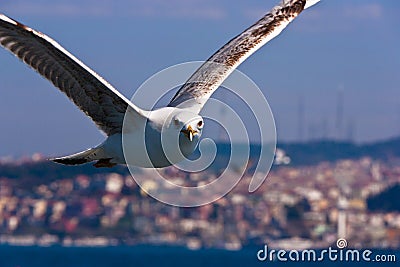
(337, 45)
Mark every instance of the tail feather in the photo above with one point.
(78, 158)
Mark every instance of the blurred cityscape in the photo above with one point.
(298, 206)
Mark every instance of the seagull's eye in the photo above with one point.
(176, 122)
(200, 124)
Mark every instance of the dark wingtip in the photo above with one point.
(69, 161)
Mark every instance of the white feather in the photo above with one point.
(310, 3)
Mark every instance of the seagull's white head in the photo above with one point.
(190, 125)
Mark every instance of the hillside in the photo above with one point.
(310, 153)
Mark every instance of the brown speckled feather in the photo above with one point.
(199, 87)
(90, 92)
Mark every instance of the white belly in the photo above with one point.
(150, 152)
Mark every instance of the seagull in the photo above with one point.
(178, 124)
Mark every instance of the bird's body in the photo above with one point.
(155, 138)
(155, 142)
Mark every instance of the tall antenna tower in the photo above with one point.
(350, 130)
(339, 112)
(312, 129)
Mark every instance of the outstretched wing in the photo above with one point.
(199, 87)
(90, 92)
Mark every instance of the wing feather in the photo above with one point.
(90, 92)
(199, 87)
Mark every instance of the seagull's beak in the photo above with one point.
(189, 132)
